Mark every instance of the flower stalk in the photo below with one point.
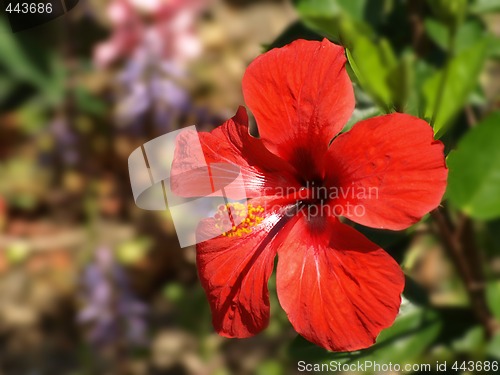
(460, 245)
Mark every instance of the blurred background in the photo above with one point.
(91, 284)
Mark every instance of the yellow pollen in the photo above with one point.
(247, 215)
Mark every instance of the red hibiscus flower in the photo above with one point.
(338, 289)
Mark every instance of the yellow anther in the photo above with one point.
(247, 216)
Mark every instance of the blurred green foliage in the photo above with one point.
(474, 180)
(446, 91)
(29, 70)
(389, 77)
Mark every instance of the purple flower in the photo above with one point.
(111, 311)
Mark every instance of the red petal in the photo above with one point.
(301, 97)
(338, 288)
(391, 168)
(234, 272)
(232, 145)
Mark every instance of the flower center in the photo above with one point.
(314, 192)
(239, 218)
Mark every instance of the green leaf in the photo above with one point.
(493, 297)
(471, 342)
(16, 61)
(375, 65)
(372, 65)
(494, 347)
(400, 80)
(340, 20)
(494, 47)
(360, 115)
(438, 32)
(26, 62)
(421, 72)
(474, 176)
(355, 8)
(411, 334)
(467, 34)
(485, 6)
(6, 86)
(451, 12)
(460, 79)
(352, 8)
